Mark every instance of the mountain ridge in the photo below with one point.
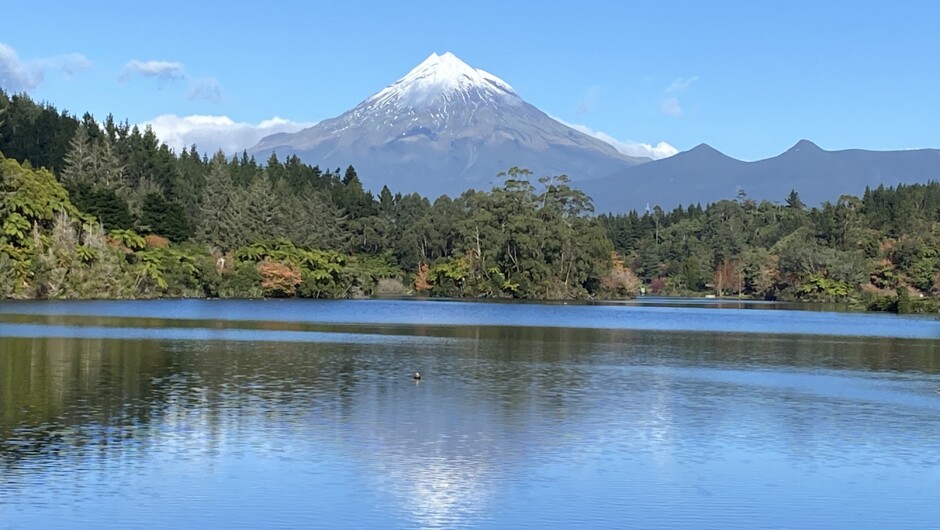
(704, 174)
(445, 127)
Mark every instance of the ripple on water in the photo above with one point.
(533, 427)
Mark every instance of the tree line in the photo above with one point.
(112, 202)
(95, 209)
(877, 251)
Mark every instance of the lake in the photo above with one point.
(304, 414)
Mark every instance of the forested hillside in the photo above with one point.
(872, 249)
(95, 209)
(82, 200)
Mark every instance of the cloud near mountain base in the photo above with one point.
(628, 147)
(212, 133)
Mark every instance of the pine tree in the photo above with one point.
(349, 176)
(164, 217)
(387, 204)
(79, 160)
(261, 211)
(308, 218)
(793, 201)
(222, 206)
(108, 170)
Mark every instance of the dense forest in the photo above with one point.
(93, 209)
(880, 250)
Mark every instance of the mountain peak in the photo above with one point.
(446, 58)
(443, 77)
(445, 127)
(804, 145)
(705, 150)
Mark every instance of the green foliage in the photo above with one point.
(77, 261)
(104, 204)
(128, 238)
(351, 198)
(245, 282)
(885, 240)
(30, 200)
(448, 276)
(222, 208)
(823, 289)
(904, 301)
(38, 133)
(324, 275)
(319, 233)
(163, 217)
(793, 201)
(513, 242)
(10, 276)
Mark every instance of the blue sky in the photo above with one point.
(749, 78)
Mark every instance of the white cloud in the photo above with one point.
(638, 149)
(69, 63)
(211, 133)
(681, 85)
(163, 70)
(671, 107)
(206, 89)
(17, 75)
(629, 147)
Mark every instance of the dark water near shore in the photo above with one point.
(291, 414)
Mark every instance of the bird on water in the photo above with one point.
(417, 376)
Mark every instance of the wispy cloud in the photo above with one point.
(670, 104)
(162, 70)
(628, 147)
(69, 64)
(211, 133)
(200, 89)
(206, 89)
(586, 103)
(681, 85)
(18, 75)
(671, 107)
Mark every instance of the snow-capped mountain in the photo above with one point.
(445, 127)
(447, 79)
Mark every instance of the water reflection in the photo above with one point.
(511, 426)
(748, 318)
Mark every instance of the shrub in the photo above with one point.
(279, 280)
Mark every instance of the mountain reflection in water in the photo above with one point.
(315, 420)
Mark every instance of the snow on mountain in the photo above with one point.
(443, 128)
(448, 78)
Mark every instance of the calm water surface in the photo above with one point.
(291, 414)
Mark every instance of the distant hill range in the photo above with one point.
(703, 175)
(443, 128)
